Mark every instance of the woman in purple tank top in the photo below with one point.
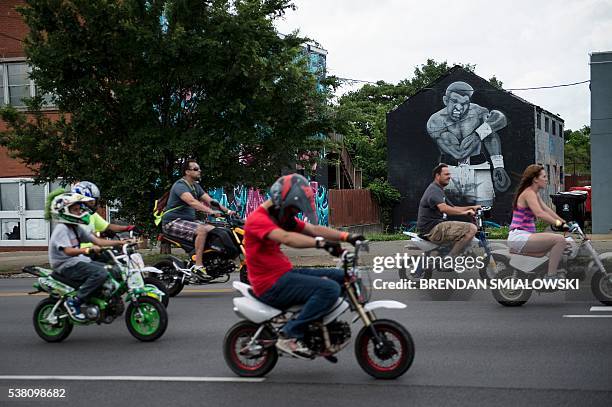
(527, 206)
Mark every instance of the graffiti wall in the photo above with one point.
(485, 135)
(245, 200)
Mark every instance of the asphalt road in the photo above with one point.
(467, 353)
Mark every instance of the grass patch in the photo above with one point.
(386, 237)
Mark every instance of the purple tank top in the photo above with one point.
(523, 219)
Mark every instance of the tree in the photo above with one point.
(141, 85)
(577, 151)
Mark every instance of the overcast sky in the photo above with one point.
(525, 43)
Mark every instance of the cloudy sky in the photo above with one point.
(525, 43)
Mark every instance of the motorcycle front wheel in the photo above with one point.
(389, 361)
(51, 332)
(249, 361)
(146, 320)
(170, 277)
(601, 286)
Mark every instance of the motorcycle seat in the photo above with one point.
(57, 276)
(187, 245)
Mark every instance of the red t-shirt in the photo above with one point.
(265, 261)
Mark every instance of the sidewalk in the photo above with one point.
(14, 261)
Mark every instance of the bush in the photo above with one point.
(386, 196)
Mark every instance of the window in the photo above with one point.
(16, 85)
(554, 128)
(560, 130)
(561, 174)
(548, 170)
(539, 119)
(546, 124)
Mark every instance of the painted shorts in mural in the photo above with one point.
(471, 184)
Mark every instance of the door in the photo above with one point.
(22, 220)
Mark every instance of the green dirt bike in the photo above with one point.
(145, 316)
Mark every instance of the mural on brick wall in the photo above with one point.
(245, 200)
(465, 134)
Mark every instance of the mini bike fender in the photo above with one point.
(151, 269)
(153, 292)
(371, 306)
(253, 310)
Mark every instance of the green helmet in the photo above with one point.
(61, 204)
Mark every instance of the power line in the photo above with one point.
(552, 86)
(357, 80)
(507, 89)
(10, 37)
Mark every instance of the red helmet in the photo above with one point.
(293, 191)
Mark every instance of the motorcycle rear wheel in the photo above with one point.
(382, 364)
(48, 332)
(244, 365)
(173, 285)
(507, 297)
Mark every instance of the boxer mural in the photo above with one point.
(466, 135)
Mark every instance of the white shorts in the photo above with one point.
(517, 239)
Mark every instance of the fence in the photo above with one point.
(576, 181)
(352, 207)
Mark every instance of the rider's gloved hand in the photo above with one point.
(353, 238)
(333, 248)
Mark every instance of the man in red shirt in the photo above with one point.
(273, 278)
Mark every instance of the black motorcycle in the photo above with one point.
(224, 248)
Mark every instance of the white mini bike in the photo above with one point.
(528, 268)
(383, 348)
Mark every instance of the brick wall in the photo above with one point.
(11, 25)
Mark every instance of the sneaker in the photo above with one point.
(73, 305)
(294, 347)
(200, 271)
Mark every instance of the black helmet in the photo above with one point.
(293, 190)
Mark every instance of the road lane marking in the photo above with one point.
(604, 309)
(136, 378)
(587, 316)
(203, 290)
(18, 294)
(211, 290)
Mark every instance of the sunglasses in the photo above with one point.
(195, 169)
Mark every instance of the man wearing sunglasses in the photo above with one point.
(179, 220)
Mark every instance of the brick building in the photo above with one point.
(22, 225)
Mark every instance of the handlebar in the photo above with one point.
(352, 256)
